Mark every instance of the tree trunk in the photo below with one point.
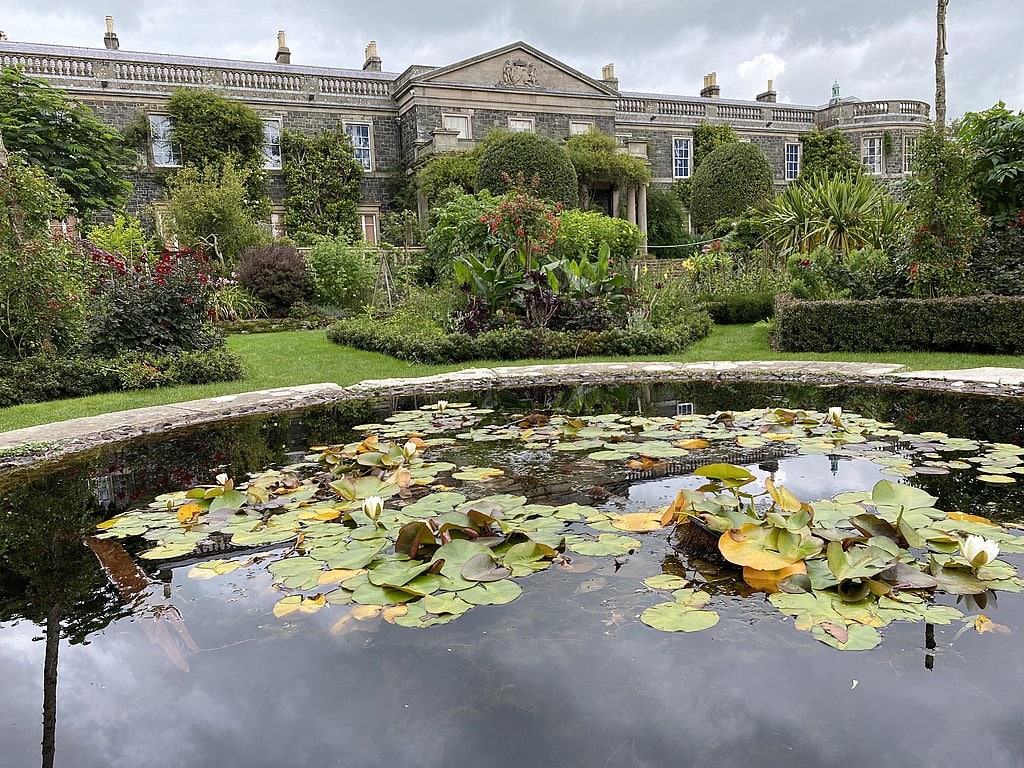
(940, 63)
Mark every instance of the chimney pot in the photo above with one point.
(372, 62)
(711, 89)
(769, 96)
(110, 41)
(283, 55)
(608, 76)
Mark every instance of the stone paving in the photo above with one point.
(81, 434)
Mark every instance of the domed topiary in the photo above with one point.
(729, 181)
(531, 155)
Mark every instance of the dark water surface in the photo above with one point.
(564, 676)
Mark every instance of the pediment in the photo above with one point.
(517, 67)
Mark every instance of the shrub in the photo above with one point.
(230, 302)
(432, 345)
(828, 153)
(210, 129)
(458, 230)
(277, 275)
(666, 223)
(42, 378)
(707, 137)
(597, 159)
(344, 274)
(997, 263)
(159, 308)
(994, 140)
(582, 232)
(735, 308)
(985, 324)
(124, 236)
(321, 180)
(729, 181)
(532, 156)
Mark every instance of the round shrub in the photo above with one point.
(531, 155)
(584, 231)
(729, 181)
(277, 275)
(344, 274)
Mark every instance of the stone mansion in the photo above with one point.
(398, 120)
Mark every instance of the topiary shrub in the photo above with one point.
(729, 181)
(666, 223)
(505, 158)
(277, 275)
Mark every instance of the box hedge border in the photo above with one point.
(513, 343)
(980, 324)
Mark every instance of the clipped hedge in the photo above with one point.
(728, 182)
(532, 155)
(41, 378)
(513, 343)
(983, 324)
(737, 308)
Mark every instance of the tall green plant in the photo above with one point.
(828, 153)
(321, 179)
(994, 141)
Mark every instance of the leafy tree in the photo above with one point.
(448, 175)
(730, 180)
(209, 208)
(945, 219)
(666, 221)
(511, 154)
(707, 137)
(828, 153)
(321, 179)
(208, 128)
(596, 158)
(994, 140)
(66, 140)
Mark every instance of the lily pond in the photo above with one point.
(635, 576)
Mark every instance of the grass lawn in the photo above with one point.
(306, 357)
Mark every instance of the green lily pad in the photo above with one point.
(676, 617)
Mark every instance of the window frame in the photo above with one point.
(373, 218)
(446, 116)
(909, 151)
(173, 150)
(877, 168)
(799, 160)
(587, 125)
(679, 141)
(269, 144)
(523, 120)
(346, 125)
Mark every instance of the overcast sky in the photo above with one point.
(875, 48)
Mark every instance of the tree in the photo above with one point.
(321, 180)
(994, 140)
(65, 139)
(730, 180)
(828, 153)
(531, 155)
(666, 221)
(208, 128)
(596, 158)
(941, 52)
(209, 208)
(707, 137)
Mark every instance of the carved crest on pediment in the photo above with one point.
(519, 73)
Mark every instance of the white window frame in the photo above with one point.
(369, 224)
(909, 150)
(522, 123)
(580, 127)
(161, 129)
(678, 142)
(448, 119)
(358, 149)
(272, 158)
(277, 228)
(872, 154)
(793, 170)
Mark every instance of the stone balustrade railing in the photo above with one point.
(83, 68)
(771, 113)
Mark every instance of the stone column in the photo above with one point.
(421, 207)
(631, 204)
(615, 203)
(642, 215)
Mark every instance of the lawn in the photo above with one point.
(306, 357)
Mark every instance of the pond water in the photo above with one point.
(160, 666)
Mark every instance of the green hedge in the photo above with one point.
(512, 343)
(970, 324)
(39, 379)
(737, 308)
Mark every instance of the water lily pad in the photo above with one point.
(855, 637)
(675, 617)
(638, 522)
(298, 604)
(493, 593)
(666, 581)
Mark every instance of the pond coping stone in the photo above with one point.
(76, 435)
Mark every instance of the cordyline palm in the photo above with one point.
(840, 213)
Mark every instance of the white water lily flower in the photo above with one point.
(442, 404)
(835, 415)
(373, 506)
(409, 449)
(978, 550)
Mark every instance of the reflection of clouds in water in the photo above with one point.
(810, 478)
(21, 680)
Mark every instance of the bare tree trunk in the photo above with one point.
(940, 63)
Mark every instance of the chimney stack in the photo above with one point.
(711, 89)
(769, 96)
(372, 62)
(110, 41)
(283, 55)
(608, 76)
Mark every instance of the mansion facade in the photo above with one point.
(398, 120)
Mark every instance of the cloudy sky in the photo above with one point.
(876, 48)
